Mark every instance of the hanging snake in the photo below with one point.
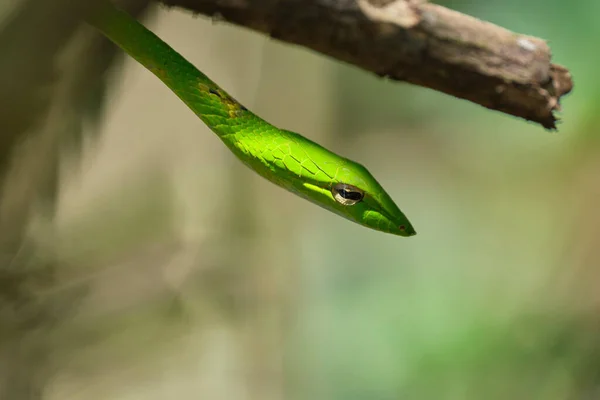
(285, 158)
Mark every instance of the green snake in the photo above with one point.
(285, 158)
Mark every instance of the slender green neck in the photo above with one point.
(141, 44)
(182, 77)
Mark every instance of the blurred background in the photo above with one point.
(141, 260)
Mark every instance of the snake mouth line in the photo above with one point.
(408, 231)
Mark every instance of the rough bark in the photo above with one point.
(416, 42)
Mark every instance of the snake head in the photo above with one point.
(356, 195)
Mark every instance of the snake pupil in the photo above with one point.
(347, 195)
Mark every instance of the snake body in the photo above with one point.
(285, 158)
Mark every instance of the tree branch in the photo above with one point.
(416, 42)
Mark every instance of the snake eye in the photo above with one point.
(347, 195)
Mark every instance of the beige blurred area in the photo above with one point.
(178, 260)
(141, 260)
(187, 256)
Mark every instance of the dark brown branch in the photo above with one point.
(413, 41)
